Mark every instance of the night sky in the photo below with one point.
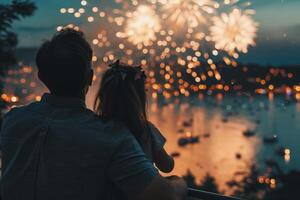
(278, 41)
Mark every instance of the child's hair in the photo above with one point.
(122, 97)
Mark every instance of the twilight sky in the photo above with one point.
(278, 40)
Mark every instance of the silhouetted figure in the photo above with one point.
(122, 97)
(58, 149)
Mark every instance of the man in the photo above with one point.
(57, 149)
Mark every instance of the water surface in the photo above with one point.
(223, 151)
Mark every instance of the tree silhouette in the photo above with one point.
(207, 184)
(9, 13)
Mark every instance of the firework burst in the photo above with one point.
(191, 13)
(179, 42)
(142, 26)
(235, 31)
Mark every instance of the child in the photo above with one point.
(122, 97)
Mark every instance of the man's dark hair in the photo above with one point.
(64, 63)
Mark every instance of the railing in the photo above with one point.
(202, 195)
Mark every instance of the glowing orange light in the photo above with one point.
(298, 96)
(38, 98)
(14, 99)
(188, 134)
(297, 88)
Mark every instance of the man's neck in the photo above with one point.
(79, 96)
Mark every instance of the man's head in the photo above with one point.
(64, 64)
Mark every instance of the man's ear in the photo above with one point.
(90, 77)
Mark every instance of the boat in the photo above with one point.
(249, 133)
(206, 135)
(187, 123)
(270, 139)
(175, 154)
(181, 130)
(238, 156)
(224, 120)
(183, 141)
(194, 139)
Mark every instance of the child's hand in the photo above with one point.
(163, 161)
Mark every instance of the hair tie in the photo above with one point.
(118, 68)
(123, 73)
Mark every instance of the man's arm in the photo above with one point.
(137, 178)
(160, 188)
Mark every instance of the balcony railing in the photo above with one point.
(202, 195)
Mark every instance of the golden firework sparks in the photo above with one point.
(235, 31)
(142, 27)
(144, 31)
(188, 12)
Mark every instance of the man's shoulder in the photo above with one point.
(117, 130)
(17, 116)
(99, 129)
(85, 119)
(19, 110)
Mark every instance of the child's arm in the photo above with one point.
(163, 161)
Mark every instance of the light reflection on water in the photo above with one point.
(217, 155)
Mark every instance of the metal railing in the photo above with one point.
(203, 195)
